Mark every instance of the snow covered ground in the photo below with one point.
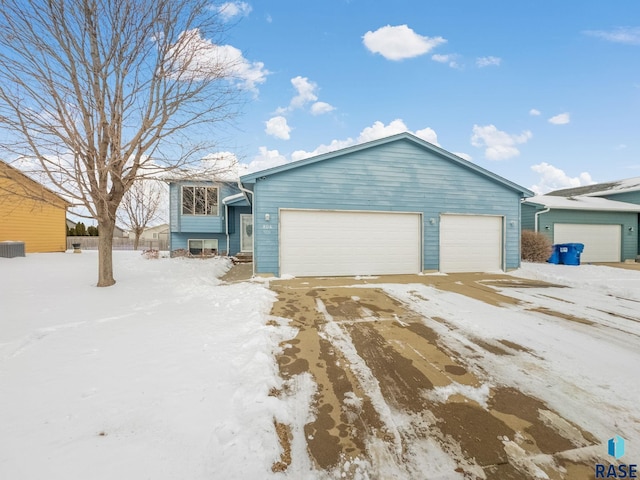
(167, 374)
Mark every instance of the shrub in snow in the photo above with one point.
(535, 247)
(151, 253)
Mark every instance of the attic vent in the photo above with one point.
(11, 249)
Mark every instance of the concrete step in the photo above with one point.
(242, 258)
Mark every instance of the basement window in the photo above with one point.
(204, 247)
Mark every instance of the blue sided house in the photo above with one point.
(391, 206)
(209, 218)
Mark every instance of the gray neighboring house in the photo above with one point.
(605, 217)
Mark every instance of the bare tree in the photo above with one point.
(140, 206)
(92, 90)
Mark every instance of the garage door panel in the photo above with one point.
(470, 243)
(602, 243)
(316, 242)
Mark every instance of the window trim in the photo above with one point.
(217, 188)
(203, 240)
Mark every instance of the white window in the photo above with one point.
(205, 246)
(199, 200)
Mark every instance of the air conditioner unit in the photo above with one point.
(11, 249)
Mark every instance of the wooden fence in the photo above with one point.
(91, 243)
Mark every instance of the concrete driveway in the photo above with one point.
(397, 394)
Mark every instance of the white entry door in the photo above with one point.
(246, 234)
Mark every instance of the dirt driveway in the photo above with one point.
(396, 398)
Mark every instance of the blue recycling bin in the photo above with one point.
(570, 253)
(555, 255)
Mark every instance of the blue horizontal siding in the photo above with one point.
(529, 217)
(398, 176)
(629, 197)
(179, 241)
(197, 223)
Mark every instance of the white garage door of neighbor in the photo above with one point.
(602, 243)
(470, 243)
(317, 242)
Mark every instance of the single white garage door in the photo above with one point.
(470, 243)
(602, 243)
(317, 242)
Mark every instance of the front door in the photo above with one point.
(246, 234)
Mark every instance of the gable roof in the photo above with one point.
(405, 136)
(582, 203)
(40, 192)
(601, 189)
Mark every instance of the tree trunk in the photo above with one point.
(105, 253)
(136, 241)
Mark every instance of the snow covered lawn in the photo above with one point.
(165, 375)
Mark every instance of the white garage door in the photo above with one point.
(316, 242)
(602, 243)
(470, 243)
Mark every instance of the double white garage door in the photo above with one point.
(327, 243)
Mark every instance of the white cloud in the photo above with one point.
(534, 112)
(380, 130)
(332, 147)
(498, 145)
(560, 119)
(429, 135)
(399, 42)
(224, 165)
(320, 108)
(374, 132)
(553, 178)
(628, 35)
(272, 158)
(306, 92)
(449, 59)
(278, 127)
(266, 159)
(482, 62)
(228, 10)
(199, 58)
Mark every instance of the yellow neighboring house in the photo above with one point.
(31, 213)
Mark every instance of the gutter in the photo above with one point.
(536, 215)
(253, 223)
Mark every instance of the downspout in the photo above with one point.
(536, 215)
(226, 225)
(253, 228)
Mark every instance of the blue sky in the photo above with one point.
(544, 93)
